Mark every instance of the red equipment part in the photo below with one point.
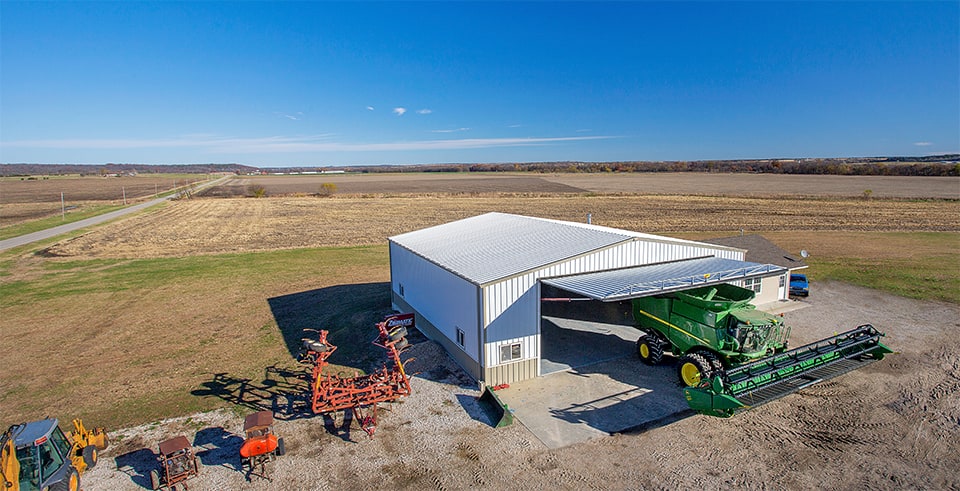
(258, 445)
(361, 394)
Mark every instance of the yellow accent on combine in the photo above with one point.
(704, 341)
(691, 374)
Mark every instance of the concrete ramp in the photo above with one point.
(600, 386)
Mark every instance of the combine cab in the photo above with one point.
(733, 356)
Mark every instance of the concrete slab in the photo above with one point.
(599, 386)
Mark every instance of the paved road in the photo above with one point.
(69, 227)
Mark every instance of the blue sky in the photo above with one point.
(318, 84)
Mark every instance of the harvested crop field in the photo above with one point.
(686, 183)
(212, 226)
(23, 199)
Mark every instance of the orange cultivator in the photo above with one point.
(362, 393)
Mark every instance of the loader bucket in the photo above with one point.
(773, 377)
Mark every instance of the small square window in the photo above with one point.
(460, 336)
(752, 284)
(510, 352)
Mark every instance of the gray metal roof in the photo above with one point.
(760, 249)
(493, 246)
(654, 279)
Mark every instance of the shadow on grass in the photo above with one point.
(348, 312)
(282, 391)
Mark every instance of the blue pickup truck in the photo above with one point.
(798, 285)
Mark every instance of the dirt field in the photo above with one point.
(686, 183)
(23, 199)
(891, 425)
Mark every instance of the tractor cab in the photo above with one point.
(43, 452)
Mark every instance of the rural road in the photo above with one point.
(69, 227)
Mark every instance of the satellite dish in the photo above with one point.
(804, 253)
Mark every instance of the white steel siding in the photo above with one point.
(446, 300)
(512, 307)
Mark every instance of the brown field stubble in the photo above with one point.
(214, 226)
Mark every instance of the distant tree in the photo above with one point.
(328, 189)
(257, 191)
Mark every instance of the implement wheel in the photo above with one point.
(90, 456)
(693, 368)
(650, 349)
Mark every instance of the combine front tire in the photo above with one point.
(716, 366)
(650, 349)
(693, 368)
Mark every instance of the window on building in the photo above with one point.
(752, 284)
(401, 289)
(783, 280)
(510, 352)
(460, 337)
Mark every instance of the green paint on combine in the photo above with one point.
(733, 356)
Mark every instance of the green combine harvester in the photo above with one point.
(733, 356)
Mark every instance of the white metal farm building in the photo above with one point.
(475, 284)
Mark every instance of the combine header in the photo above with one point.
(360, 394)
(733, 356)
(774, 377)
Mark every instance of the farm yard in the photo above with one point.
(195, 306)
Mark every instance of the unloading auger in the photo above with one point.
(774, 377)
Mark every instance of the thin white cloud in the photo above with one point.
(923, 144)
(424, 111)
(294, 117)
(399, 111)
(584, 130)
(455, 130)
(278, 144)
(514, 125)
(369, 108)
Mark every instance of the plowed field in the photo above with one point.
(209, 226)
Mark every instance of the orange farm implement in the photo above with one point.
(362, 393)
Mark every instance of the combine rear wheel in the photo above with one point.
(693, 368)
(650, 349)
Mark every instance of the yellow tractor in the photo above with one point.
(39, 456)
